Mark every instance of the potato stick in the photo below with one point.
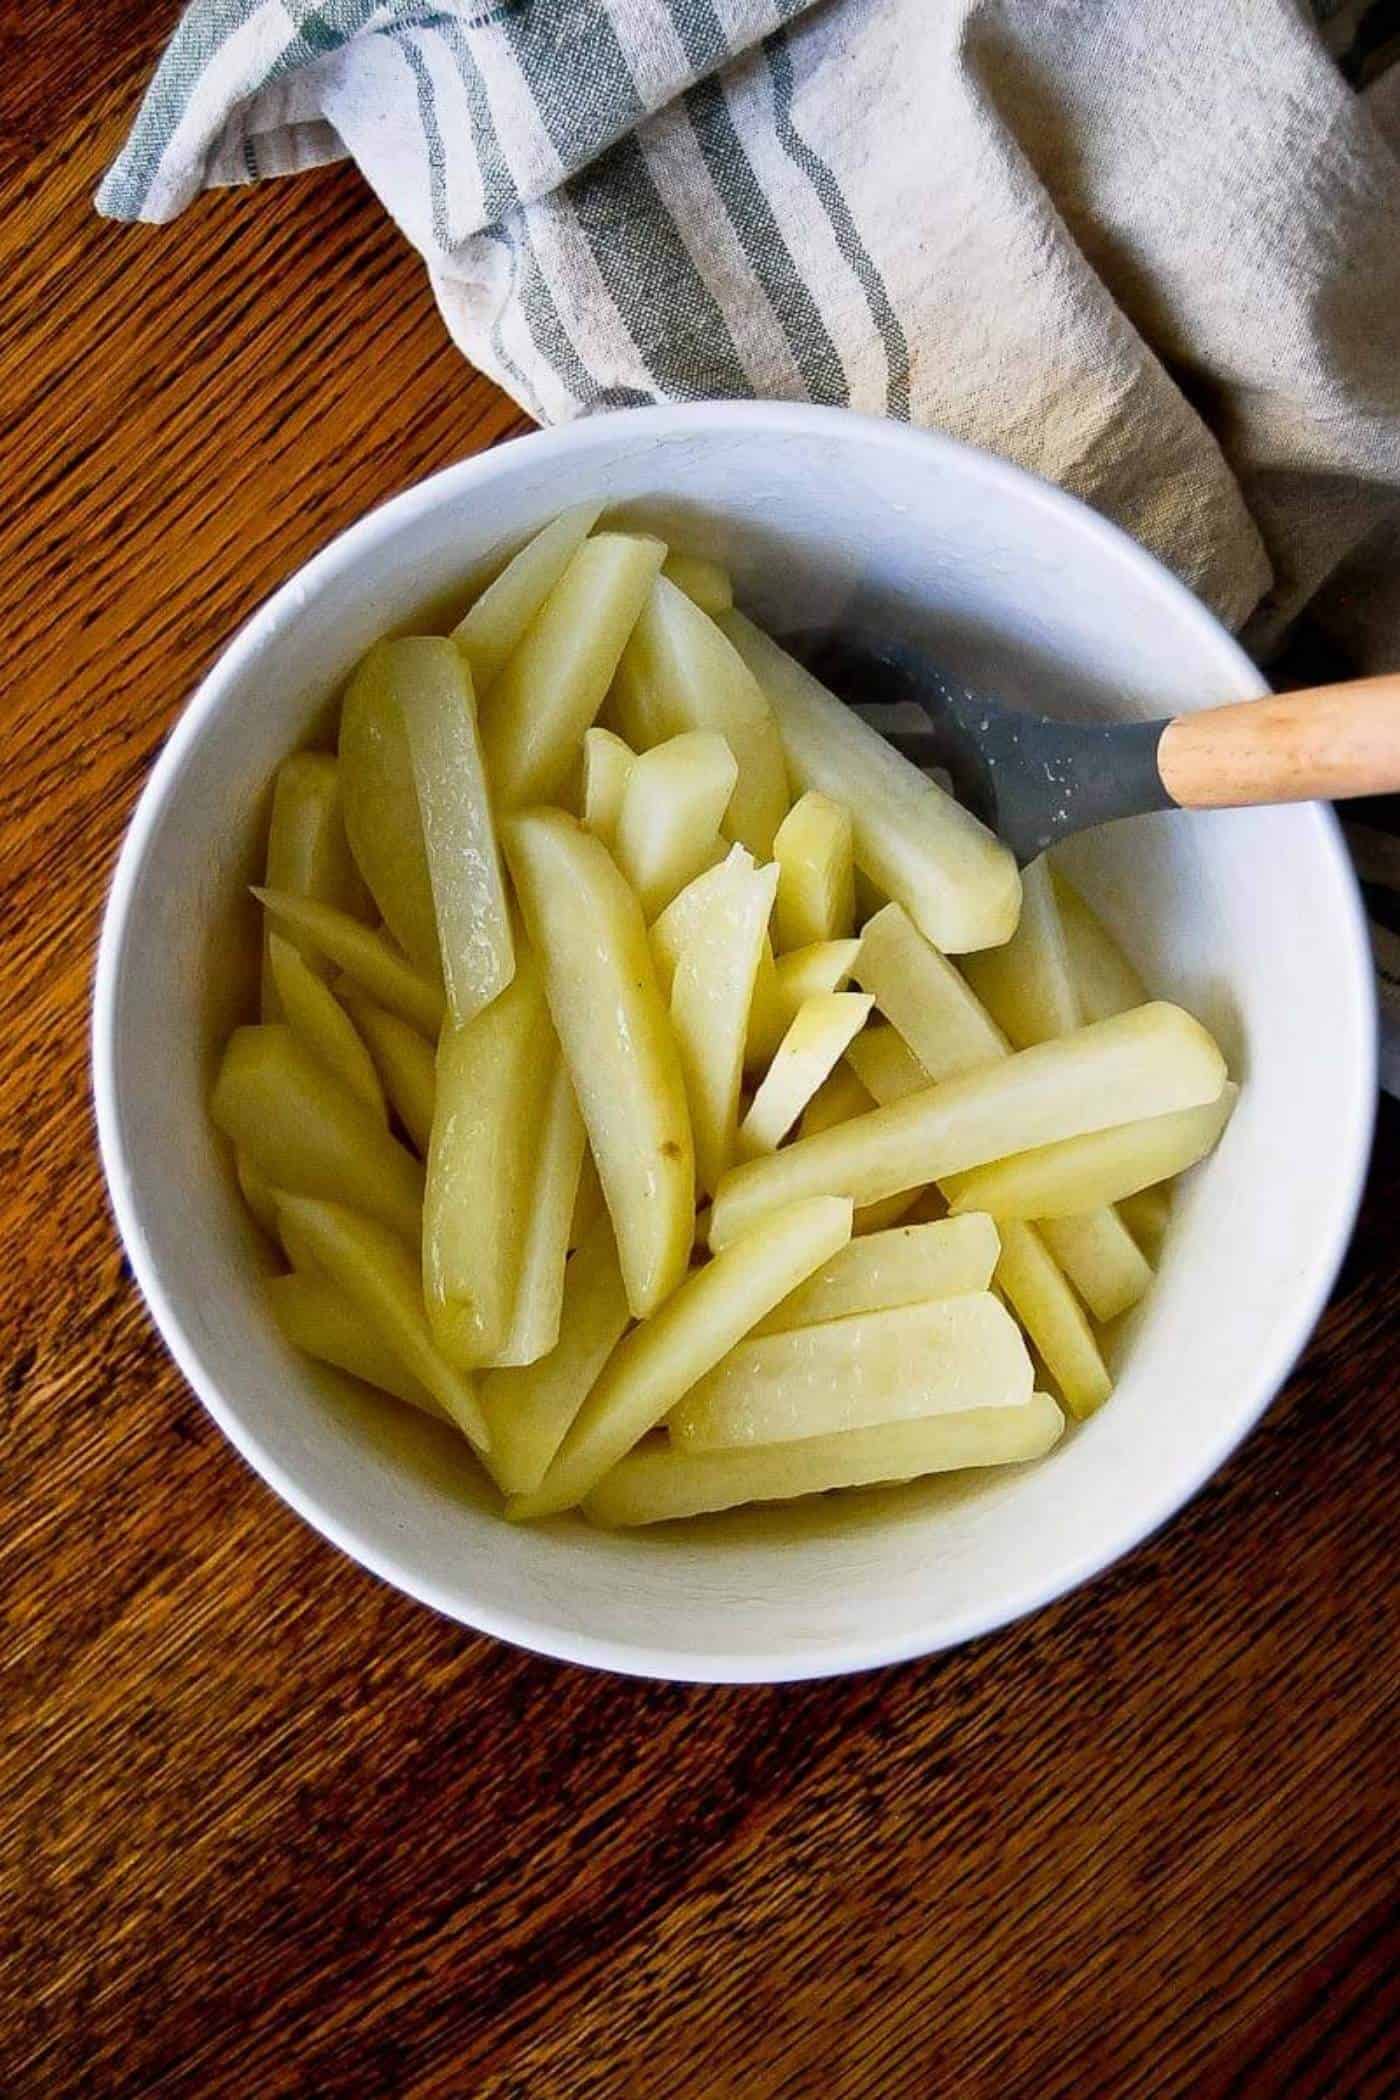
(1036, 1290)
(635, 707)
(496, 623)
(904, 1266)
(1104, 979)
(785, 987)
(769, 1018)
(1147, 1216)
(362, 954)
(257, 1192)
(534, 715)
(381, 810)
(1102, 1166)
(306, 1132)
(942, 1020)
(617, 1041)
(704, 582)
(890, 1210)
(539, 1292)
(885, 1065)
(588, 1203)
(308, 852)
(607, 766)
(685, 914)
(939, 1357)
(839, 1097)
(668, 825)
(808, 1053)
(652, 1487)
(711, 995)
(1100, 1256)
(405, 1061)
(318, 1318)
(816, 874)
(660, 1360)
(1026, 985)
(318, 1020)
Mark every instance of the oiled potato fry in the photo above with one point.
(664, 1357)
(1026, 985)
(405, 1061)
(711, 993)
(839, 1097)
(704, 582)
(1052, 1316)
(257, 1192)
(904, 1266)
(942, 1020)
(672, 805)
(539, 1291)
(381, 810)
(681, 673)
(534, 715)
(1147, 1216)
(496, 624)
(1148, 1062)
(1100, 1256)
(617, 1040)
(308, 852)
(362, 954)
(607, 767)
(939, 1357)
(1104, 980)
(958, 883)
(769, 1019)
(652, 1487)
(493, 1080)
(683, 917)
(588, 1203)
(318, 1019)
(374, 1270)
(316, 1316)
(306, 1132)
(816, 874)
(529, 1408)
(433, 687)
(807, 1054)
(885, 1065)
(785, 986)
(1101, 1166)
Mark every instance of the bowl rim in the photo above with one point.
(521, 1628)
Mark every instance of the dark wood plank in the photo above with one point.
(266, 1827)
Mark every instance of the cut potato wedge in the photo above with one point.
(654, 1487)
(785, 986)
(1101, 1166)
(530, 1408)
(711, 994)
(1105, 981)
(940, 1357)
(308, 853)
(533, 716)
(958, 882)
(306, 1132)
(936, 1013)
(318, 1019)
(1147, 1216)
(496, 624)
(539, 1291)
(317, 1317)
(681, 673)
(405, 1061)
(257, 1192)
(885, 1065)
(433, 687)
(1148, 1062)
(1026, 985)
(375, 1271)
(1101, 1258)
(362, 954)
(664, 1357)
(381, 810)
(1035, 1288)
(704, 582)
(607, 767)
(905, 1266)
(672, 806)
(493, 1079)
(816, 874)
(617, 1041)
(808, 1053)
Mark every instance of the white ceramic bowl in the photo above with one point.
(1251, 919)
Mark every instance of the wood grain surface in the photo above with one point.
(267, 1828)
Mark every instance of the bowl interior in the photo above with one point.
(1249, 919)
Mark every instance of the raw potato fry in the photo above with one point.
(942, 1357)
(534, 715)
(635, 706)
(1101, 1257)
(362, 954)
(808, 1053)
(433, 688)
(307, 850)
(664, 1357)
(1148, 1062)
(687, 913)
(704, 582)
(381, 810)
(493, 1079)
(785, 987)
(1052, 1316)
(652, 1487)
(672, 806)
(317, 1018)
(944, 1023)
(1104, 979)
(317, 1317)
(839, 1097)
(711, 994)
(1147, 1216)
(588, 1203)
(683, 674)
(607, 767)
(769, 1019)
(1026, 985)
(816, 874)
(529, 1409)
(617, 1041)
(885, 1065)
(1101, 1166)
(494, 627)
(405, 1061)
(958, 883)
(539, 1292)
(305, 1131)
(380, 1278)
(906, 1266)
(879, 1217)
(257, 1192)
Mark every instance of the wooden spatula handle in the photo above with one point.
(1330, 741)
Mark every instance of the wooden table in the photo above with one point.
(267, 1828)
